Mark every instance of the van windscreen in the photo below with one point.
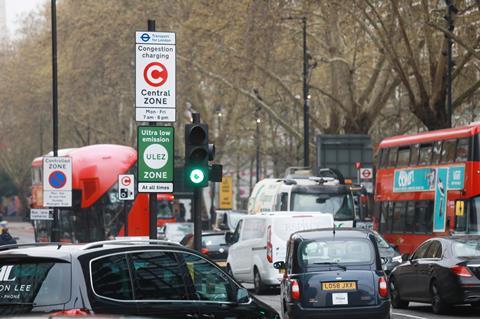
(285, 226)
(339, 205)
(24, 285)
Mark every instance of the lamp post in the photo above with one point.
(306, 95)
(257, 150)
(213, 214)
(451, 10)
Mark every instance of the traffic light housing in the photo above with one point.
(197, 154)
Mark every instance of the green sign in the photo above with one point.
(155, 158)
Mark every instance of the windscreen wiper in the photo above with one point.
(332, 264)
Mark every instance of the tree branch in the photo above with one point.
(467, 93)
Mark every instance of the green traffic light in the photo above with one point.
(197, 176)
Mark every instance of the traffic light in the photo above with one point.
(197, 154)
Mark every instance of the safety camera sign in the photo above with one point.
(155, 76)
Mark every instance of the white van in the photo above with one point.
(304, 195)
(260, 240)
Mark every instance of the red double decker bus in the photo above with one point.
(427, 185)
(97, 213)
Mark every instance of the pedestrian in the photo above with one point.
(5, 237)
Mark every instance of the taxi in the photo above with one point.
(333, 273)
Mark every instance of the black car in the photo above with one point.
(213, 245)
(441, 271)
(149, 278)
(333, 274)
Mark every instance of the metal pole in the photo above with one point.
(451, 10)
(197, 219)
(152, 197)
(54, 232)
(306, 130)
(125, 216)
(257, 152)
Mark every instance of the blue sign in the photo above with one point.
(57, 179)
(414, 180)
(145, 37)
(456, 177)
(440, 207)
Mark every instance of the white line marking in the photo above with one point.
(409, 316)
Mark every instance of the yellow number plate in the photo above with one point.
(339, 285)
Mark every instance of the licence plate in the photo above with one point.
(339, 285)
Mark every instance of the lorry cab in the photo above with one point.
(312, 194)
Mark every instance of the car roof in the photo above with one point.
(66, 251)
(326, 233)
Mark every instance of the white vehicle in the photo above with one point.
(322, 195)
(260, 240)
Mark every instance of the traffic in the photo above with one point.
(240, 159)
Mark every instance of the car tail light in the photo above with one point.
(382, 287)
(204, 251)
(295, 289)
(461, 271)
(71, 313)
(269, 245)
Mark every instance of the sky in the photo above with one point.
(18, 8)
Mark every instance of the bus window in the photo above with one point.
(424, 217)
(403, 156)
(410, 218)
(383, 216)
(474, 216)
(437, 152)
(462, 150)
(425, 157)
(398, 217)
(448, 151)
(415, 150)
(384, 158)
(392, 157)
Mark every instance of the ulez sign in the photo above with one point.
(155, 159)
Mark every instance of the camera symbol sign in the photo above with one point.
(126, 187)
(57, 179)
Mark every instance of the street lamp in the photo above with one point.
(257, 149)
(306, 96)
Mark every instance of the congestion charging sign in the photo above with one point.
(155, 76)
(57, 181)
(155, 159)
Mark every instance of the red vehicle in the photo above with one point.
(96, 212)
(427, 185)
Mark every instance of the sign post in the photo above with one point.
(155, 159)
(155, 76)
(57, 181)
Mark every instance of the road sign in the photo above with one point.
(57, 181)
(41, 214)
(126, 187)
(366, 173)
(155, 159)
(225, 198)
(155, 76)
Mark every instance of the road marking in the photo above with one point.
(409, 316)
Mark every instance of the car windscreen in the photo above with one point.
(339, 205)
(34, 283)
(381, 242)
(335, 251)
(213, 240)
(466, 248)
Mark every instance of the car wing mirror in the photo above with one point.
(229, 238)
(405, 257)
(279, 265)
(384, 260)
(242, 296)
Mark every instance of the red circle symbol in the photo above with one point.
(155, 74)
(366, 173)
(126, 181)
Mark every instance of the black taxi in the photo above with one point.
(132, 278)
(333, 273)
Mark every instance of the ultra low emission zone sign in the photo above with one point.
(155, 159)
(155, 76)
(57, 181)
